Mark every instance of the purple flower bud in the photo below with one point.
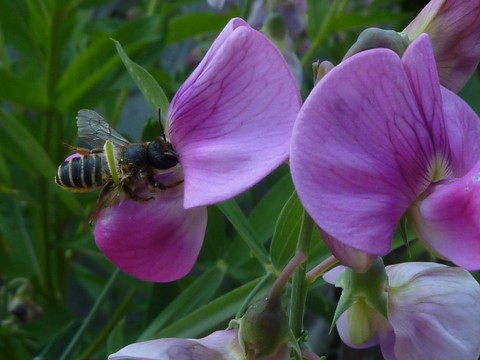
(454, 30)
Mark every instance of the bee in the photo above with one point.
(113, 163)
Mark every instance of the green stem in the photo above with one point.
(279, 284)
(299, 286)
(3, 53)
(76, 338)
(152, 7)
(247, 6)
(307, 58)
(320, 269)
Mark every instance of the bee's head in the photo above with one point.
(161, 154)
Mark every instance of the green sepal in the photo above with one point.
(108, 149)
(368, 288)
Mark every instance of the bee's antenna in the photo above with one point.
(162, 129)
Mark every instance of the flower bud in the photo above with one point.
(264, 328)
(373, 38)
(454, 30)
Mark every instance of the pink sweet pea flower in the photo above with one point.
(454, 30)
(220, 345)
(230, 125)
(378, 138)
(433, 313)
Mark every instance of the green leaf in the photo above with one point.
(286, 233)
(362, 21)
(35, 155)
(116, 338)
(211, 315)
(94, 70)
(197, 294)
(264, 215)
(18, 253)
(146, 83)
(192, 24)
(239, 221)
(470, 92)
(25, 92)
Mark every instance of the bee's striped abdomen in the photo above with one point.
(81, 173)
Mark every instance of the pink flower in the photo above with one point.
(220, 345)
(454, 30)
(433, 313)
(378, 138)
(230, 125)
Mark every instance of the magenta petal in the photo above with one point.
(425, 85)
(211, 53)
(361, 150)
(449, 221)
(156, 240)
(463, 128)
(348, 256)
(231, 123)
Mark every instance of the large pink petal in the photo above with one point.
(231, 124)
(463, 129)
(448, 220)
(208, 58)
(155, 240)
(362, 149)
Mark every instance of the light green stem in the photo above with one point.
(307, 58)
(299, 286)
(320, 269)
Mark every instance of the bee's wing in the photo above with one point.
(94, 130)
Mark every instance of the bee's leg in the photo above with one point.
(80, 150)
(125, 183)
(83, 151)
(134, 196)
(106, 195)
(161, 186)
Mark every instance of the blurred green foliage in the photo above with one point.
(56, 57)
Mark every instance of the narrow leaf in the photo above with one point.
(239, 221)
(18, 253)
(209, 316)
(25, 92)
(146, 83)
(192, 24)
(199, 292)
(35, 155)
(286, 233)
